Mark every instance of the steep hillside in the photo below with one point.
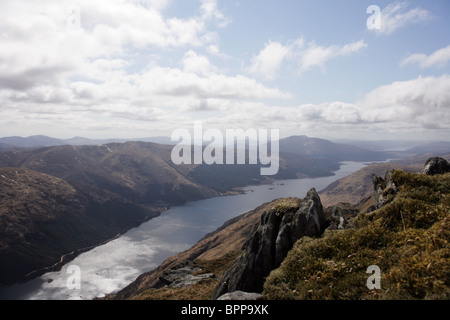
(140, 172)
(358, 185)
(225, 240)
(60, 199)
(407, 240)
(215, 253)
(43, 217)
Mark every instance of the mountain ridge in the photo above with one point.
(46, 141)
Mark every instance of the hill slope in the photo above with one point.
(358, 185)
(407, 238)
(325, 149)
(215, 245)
(140, 172)
(43, 217)
(60, 199)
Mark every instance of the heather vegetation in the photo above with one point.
(408, 239)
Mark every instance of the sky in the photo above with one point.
(350, 69)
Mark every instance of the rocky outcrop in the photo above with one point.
(436, 165)
(184, 275)
(341, 214)
(384, 189)
(269, 243)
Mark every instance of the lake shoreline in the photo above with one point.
(66, 258)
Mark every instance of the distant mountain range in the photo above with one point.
(325, 149)
(409, 147)
(303, 144)
(44, 141)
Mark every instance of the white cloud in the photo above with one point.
(318, 56)
(269, 60)
(172, 82)
(170, 97)
(439, 58)
(104, 75)
(411, 107)
(396, 15)
(341, 113)
(419, 103)
(36, 40)
(210, 11)
(192, 62)
(51, 73)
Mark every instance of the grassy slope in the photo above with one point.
(408, 239)
(358, 185)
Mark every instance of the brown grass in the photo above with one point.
(199, 291)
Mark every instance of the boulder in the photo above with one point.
(269, 243)
(436, 165)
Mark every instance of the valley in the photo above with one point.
(116, 264)
(60, 200)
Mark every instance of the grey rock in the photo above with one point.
(190, 280)
(182, 275)
(269, 242)
(340, 217)
(384, 189)
(240, 295)
(436, 165)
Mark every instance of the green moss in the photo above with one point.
(286, 205)
(408, 239)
